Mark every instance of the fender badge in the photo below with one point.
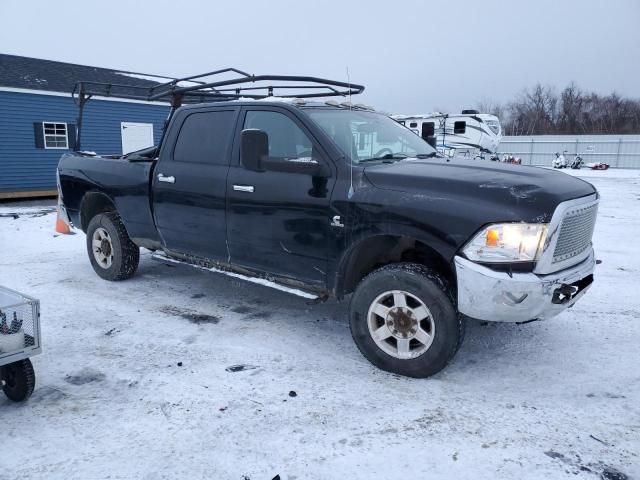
(335, 222)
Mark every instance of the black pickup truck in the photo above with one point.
(336, 200)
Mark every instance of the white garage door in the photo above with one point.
(136, 136)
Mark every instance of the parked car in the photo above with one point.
(337, 200)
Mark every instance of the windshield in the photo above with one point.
(368, 136)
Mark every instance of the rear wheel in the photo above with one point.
(403, 320)
(112, 254)
(18, 380)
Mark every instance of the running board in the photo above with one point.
(260, 281)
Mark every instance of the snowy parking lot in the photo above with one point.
(180, 373)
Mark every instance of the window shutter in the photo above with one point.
(38, 134)
(71, 135)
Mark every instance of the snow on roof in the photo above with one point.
(39, 74)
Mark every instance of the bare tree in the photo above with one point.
(540, 110)
(570, 109)
(491, 107)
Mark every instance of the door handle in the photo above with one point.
(243, 188)
(170, 179)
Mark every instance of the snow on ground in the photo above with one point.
(133, 381)
(591, 175)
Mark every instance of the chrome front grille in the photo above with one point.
(575, 232)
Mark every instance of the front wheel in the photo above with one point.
(403, 320)
(112, 254)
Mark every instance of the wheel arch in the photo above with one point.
(374, 251)
(92, 204)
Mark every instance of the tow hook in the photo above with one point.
(563, 294)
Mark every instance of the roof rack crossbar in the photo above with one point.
(170, 86)
(130, 92)
(215, 72)
(310, 87)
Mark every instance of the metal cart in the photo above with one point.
(19, 340)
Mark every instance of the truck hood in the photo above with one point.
(514, 187)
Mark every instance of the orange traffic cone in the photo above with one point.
(61, 225)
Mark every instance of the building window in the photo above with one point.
(55, 135)
(459, 127)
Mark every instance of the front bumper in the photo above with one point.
(485, 294)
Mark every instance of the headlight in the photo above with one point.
(507, 242)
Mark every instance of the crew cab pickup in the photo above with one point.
(333, 201)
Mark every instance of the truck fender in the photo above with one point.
(375, 250)
(93, 203)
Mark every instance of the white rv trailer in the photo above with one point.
(469, 133)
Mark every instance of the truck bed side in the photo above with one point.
(124, 183)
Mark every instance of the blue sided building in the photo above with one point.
(38, 120)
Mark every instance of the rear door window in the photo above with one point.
(204, 138)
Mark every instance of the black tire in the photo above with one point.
(126, 254)
(431, 289)
(19, 380)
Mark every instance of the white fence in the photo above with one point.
(622, 151)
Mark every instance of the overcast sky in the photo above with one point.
(412, 56)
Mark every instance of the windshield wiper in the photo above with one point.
(386, 156)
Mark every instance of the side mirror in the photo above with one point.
(254, 147)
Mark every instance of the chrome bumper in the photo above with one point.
(485, 294)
